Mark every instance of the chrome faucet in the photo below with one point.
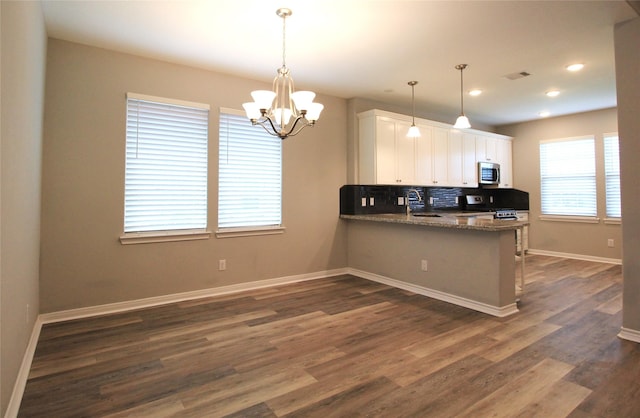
(407, 198)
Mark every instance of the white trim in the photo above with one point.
(629, 335)
(570, 218)
(499, 311)
(249, 231)
(23, 373)
(179, 297)
(177, 102)
(575, 256)
(129, 238)
(613, 221)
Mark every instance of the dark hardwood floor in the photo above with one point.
(348, 347)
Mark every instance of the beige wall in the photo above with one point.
(83, 263)
(23, 66)
(564, 237)
(627, 39)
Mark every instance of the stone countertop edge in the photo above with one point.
(451, 222)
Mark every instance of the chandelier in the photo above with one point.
(283, 112)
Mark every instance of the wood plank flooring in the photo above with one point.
(348, 347)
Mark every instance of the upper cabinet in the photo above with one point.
(441, 156)
(387, 156)
(504, 158)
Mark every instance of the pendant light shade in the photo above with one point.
(462, 122)
(414, 132)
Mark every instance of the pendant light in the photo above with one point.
(283, 112)
(462, 122)
(414, 132)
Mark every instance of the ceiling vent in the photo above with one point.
(515, 76)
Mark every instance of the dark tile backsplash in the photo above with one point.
(363, 199)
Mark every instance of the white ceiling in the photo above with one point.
(371, 48)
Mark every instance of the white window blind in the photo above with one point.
(568, 177)
(612, 175)
(166, 165)
(250, 174)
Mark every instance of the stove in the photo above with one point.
(505, 214)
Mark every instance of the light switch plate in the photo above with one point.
(371, 201)
(400, 200)
(364, 202)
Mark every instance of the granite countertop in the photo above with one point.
(452, 221)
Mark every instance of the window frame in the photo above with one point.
(611, 219)
(568, 217)
(169, 234)
(247, 230)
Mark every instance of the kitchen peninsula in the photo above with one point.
(465, 260)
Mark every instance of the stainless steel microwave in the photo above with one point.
(488, 173)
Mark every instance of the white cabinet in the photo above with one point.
(504, 158)
(486, 148)
(462, 160)
(441, 156)
(432, 148)
(387, 155)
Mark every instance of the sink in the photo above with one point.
(426, 215)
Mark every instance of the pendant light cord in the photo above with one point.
(461, 91)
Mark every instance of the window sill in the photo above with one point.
(563, 218)
(613, 221)
(165, 236)
(248, 232)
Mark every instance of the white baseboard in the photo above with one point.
(180, 297)
(499, 311)
(629, 335)
(575, 256)
(23, 372)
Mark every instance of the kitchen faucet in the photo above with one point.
(407, 198)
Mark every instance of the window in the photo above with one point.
(568, 177)
(612, 175)
(250, 176)
(166, 165)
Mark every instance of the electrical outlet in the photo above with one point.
(610, 243)
(222, 265)
(431, 199)
(400, 200)
(364, 202)
(371, 201)
(457, 202)
(423, 265)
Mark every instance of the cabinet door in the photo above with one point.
(440, 156)
(424, 156)
(405, 155)
(385, 146)
(469, 165)
(456, 158)
(486, 148)
(504, 158)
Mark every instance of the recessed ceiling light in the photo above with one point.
(544, 113)
(475, 92)
(552, 93)
(575, 67)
